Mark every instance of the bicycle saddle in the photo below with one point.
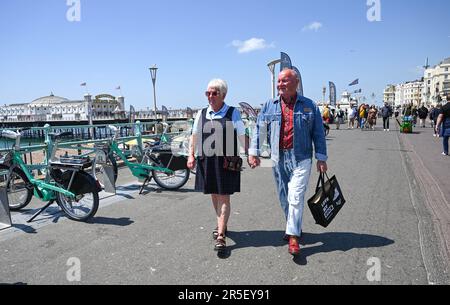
(60, 135)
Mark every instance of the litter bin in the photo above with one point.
(406, 126)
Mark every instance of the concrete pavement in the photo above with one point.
(165, 237)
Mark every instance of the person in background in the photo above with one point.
(386, 113)
(434, 114)
(372, 117)
(443, 125)
(339, 115)
(422, 112)
(352, 117)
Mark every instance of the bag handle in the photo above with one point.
(320, 180)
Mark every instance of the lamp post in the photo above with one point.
(324, 92)
(153, 71)
(271, 66)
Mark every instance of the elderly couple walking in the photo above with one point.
(292, 125)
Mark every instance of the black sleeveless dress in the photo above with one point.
(211, 178)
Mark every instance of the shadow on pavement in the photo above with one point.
(124, 221)
(337, 241)
(256, 239)
(148, 190)
(25, 228)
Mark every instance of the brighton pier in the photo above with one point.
(105, 109)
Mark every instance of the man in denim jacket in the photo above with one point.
(291, 123)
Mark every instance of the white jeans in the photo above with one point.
(292, 178)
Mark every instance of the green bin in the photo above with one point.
(406, 127)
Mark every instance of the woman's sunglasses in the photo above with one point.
(213, 93)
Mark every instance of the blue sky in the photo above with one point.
(191, 42)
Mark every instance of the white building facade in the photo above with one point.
(437, 83)
(389, 95)
(55, 108)
(409, 93)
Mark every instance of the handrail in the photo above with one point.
(137, 126)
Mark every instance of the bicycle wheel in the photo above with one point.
(98, 171)
(83, 206)
(19, 196)
(171, 181)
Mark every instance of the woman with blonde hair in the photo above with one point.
(211, 150)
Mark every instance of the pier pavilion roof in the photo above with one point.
(48, 100)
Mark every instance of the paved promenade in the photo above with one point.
(397, 213)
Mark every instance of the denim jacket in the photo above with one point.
(308, 128)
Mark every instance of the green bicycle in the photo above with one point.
(168, 171)
(66, 182)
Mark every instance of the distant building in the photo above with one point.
(409, 93)
(54, 108)
(436, 82)
(389, 95)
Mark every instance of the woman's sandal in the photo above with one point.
(215, 232)
(220, 243)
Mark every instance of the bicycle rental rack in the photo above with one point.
(5, 215)
(108, 174)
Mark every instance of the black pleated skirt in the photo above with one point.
(211, 178)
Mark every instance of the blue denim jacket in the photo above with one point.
(308, 128)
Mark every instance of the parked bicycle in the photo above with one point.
(66, 182)
(159, 164)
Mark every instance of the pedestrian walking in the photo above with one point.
(386, 113)
(414, 114)
(422, 113)
(211, 149)
(362, 116)
(326, 114)
(295, 123)
(352, 117)
(434, 114)
(443, 125)
(339, 117)
(397, 112)
(372, 117)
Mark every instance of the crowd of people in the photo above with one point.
(365, 117)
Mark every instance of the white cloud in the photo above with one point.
(250, 45)
(315, 26)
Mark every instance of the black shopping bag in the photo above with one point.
(327, 201)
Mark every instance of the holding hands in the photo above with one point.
(253, 161)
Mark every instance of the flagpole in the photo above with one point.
(120, 90)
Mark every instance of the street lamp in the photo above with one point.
(271, 66)
(153, 73)
(324, 92)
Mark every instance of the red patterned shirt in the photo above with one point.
(287, 125)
